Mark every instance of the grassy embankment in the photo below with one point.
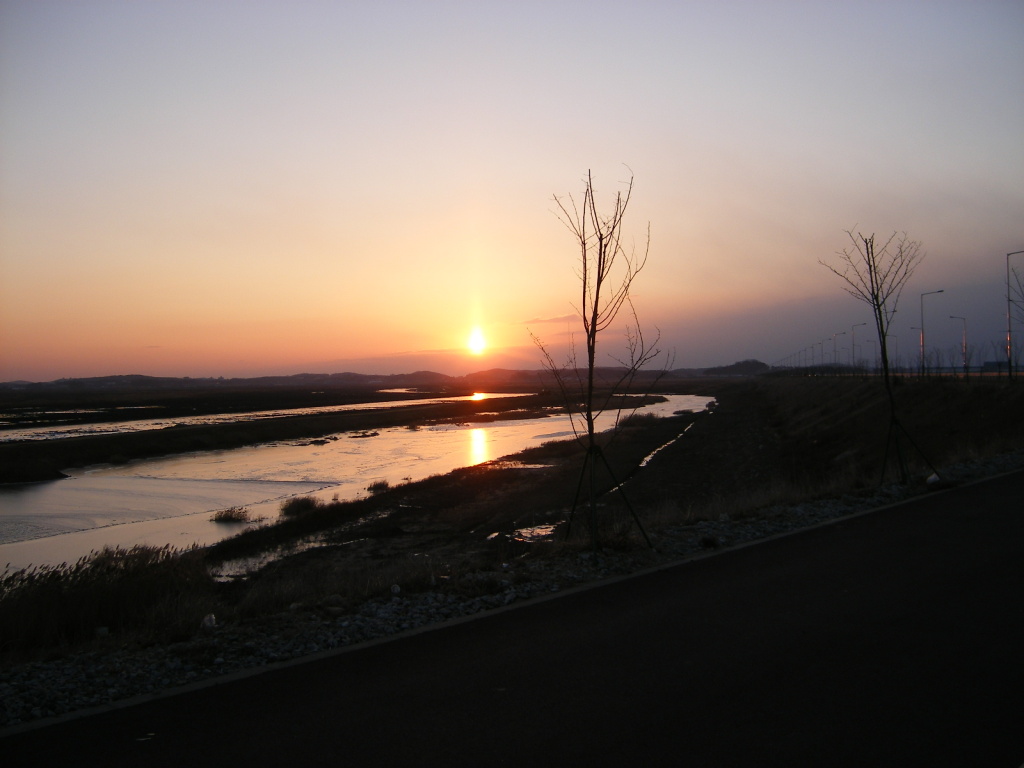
(768, 441)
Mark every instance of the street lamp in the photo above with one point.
(963, 344)
(1009, 318)
(926, 293)
(853, 344)
(835, 357)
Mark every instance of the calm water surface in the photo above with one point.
(170, 500)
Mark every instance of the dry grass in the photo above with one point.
(142, 594)
(320, 576)
(777, 441)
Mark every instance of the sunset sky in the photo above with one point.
(243, 188)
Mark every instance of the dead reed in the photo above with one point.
(142, 594)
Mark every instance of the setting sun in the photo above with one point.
(477, 343)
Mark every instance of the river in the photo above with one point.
(170, 500)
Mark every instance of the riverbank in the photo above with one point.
(774, 455)
(38, 460)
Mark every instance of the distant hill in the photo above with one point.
(139, 383)
(742, 368)
(427, 381)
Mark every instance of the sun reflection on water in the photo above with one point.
(477, 446)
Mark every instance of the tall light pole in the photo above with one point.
(853, 344)
(1009, 318)
(926, 293)
(963, 344)
(835, 358)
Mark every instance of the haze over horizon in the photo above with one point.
(238, 189)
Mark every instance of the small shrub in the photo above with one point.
(300, 505)
(232, 515)
(638, 420)
(378, 486)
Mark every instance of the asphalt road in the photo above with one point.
(894, 638)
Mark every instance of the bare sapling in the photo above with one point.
(606, 269)
(877, 276)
